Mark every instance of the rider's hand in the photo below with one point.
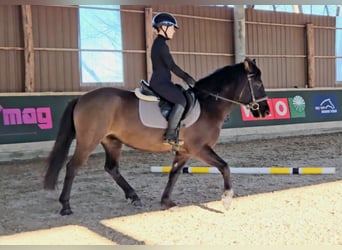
(191, 81)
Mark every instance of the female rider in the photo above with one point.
(162, 65)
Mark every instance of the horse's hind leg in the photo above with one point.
(77, 160)
(113, 151)
(177, 165)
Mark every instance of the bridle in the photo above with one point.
(253, 105)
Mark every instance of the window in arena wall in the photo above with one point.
(100, 42)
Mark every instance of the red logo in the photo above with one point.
(279, 109)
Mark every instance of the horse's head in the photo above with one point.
(239, 84)
(253, 94)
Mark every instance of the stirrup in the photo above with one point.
(173, 142)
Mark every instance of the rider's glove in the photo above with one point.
(191, 81)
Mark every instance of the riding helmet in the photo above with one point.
(164, 18)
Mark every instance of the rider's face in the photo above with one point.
(170, 31)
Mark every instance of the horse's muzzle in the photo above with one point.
(260, 109)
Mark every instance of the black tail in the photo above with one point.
(59, 153)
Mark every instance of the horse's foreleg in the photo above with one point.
(113, 152)
(177, 166)
(209, 156)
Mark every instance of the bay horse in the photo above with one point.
(109, 116)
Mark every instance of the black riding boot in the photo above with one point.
(171, 136)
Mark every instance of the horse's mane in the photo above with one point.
(218, 80)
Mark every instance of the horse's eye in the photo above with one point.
(258, 84)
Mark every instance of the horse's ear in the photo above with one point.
(249, 64)
(246, 64)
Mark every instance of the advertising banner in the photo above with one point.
(36, 118)
(291, 107)
(30, 118)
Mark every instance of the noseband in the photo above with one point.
(253, 105)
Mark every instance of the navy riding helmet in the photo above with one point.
(164, 18)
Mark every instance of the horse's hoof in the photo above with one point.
(66, 211)
(137, 203)
(227, 198)
(167, 204)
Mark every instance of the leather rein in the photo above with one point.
(253, 105)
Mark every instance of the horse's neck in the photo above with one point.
(214, 106)
(224, 110)
(217, 109)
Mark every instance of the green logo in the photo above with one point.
(297, 106)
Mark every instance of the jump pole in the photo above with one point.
(250, 170)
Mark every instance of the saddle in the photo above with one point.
(155, 110)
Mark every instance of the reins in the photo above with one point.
(254, 105)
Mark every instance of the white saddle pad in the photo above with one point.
(151, 116)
